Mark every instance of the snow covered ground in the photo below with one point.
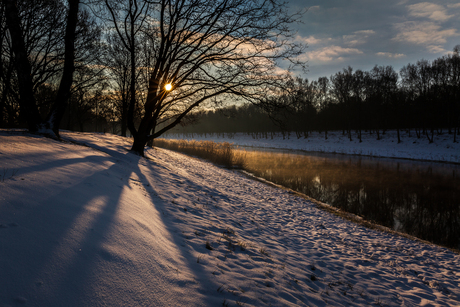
(443, 149)
(96, 225)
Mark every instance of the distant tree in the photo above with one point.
(418, 80)
(358, 90)
(118, 63)
(342, 90)
(453, 64)
(381, 88)
(300, 101)
(322, 89)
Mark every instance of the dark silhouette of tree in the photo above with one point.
(323, 100)
(6, 73)
(118, 63)
(128, 21)
(342, 91)
(301, 102)
(453, 92)
(358, 90)
(207, 50)
(20, 29)
(382, 85)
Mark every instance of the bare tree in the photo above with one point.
(19, 30)
(454, 64)
(206, 51)
(6, 70)
(22, 66)
(117, 61)
(127, 19)
(342, 90)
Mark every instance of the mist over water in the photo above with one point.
(418, 198)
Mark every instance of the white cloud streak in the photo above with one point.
(436, 49)
(423, 33)
(432, 11)
(311, 40)
(391, 55)
(358, 37)
(331, 53)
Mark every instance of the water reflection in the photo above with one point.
(419, 198)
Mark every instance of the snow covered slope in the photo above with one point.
(98, 226)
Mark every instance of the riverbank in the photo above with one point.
(443, 149)
(96, 225)
(395, 193)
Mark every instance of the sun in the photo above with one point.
(168, 87)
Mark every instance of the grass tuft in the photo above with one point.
(5, 172)
(219, 153)
(242, 245)
(263, 251)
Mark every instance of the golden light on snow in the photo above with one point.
(168, 87)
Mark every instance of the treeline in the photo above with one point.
(424, 98)
(232, 119)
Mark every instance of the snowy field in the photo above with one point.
(443, 149)
(96, 225)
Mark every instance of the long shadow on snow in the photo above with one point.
(211, 296)
(210, 293)
(53, 264)
(59, 265)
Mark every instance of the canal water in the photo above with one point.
(418, 198)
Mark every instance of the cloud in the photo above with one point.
(358, 37)
(436, 49)
(365, 32)
(423, 33)
(391, 55)
(433, 11)
(330, 53)
(311, 40)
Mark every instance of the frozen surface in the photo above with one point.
(442, 149)
(96, 225)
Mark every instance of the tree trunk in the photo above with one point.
(140, 140)
(132, 86)
(124, 114)
(142, 134)
(2, 108)
(23, 69)
(60, 104)
(6, 89)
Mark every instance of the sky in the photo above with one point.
(365, 33)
